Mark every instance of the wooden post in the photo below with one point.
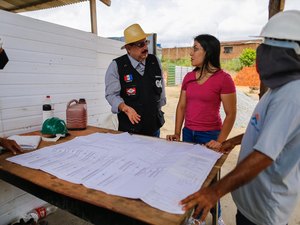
(275, 6)
(93, 16)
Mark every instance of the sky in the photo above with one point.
(176, 22)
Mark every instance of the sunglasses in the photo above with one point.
(141, 44)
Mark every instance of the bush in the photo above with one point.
(248, 56)
(231, 65)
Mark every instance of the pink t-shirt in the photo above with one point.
(203, 101)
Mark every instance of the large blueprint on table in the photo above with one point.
(159, 172)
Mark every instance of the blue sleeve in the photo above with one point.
(113, 87)
(281, 125)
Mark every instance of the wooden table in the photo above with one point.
(91, 205)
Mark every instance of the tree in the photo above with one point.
(248, 56)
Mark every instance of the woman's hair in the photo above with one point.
(211, 46)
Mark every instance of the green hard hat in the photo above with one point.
(54, 126)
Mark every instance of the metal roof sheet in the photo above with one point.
(18, 6)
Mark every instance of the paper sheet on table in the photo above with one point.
(157, 171)
(26, 142)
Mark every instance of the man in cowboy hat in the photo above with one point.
(134, 86)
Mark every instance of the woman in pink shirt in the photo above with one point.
(202, 92)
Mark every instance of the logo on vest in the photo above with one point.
(131, 91)
(128, 78)
(158, 83)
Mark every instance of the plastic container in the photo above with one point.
(76, 114)
(47, 108)
(37, 213)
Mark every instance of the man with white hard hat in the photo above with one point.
(134, 86)
(265, 184)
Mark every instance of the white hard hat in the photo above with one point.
(283, 30)
(283, 25)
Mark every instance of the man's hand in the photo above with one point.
(243, 173)
(227, 146)
(131, 113)
(204, 199)
(10, 145)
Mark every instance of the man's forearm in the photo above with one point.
(237, 140)
(243, 173)
(122, 106)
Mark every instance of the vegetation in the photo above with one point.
(231, 65)
(177, 62)
(248, 56)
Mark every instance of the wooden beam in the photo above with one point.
(275, 6)
(106, 2)
(93, 16)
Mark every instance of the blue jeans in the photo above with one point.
(156, 133)
(201, 137)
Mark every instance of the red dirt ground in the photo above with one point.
(248, 76)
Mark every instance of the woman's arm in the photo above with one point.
(229, 105)
(180, 112)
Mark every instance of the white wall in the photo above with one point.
(48, 59)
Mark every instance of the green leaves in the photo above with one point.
(248, 56)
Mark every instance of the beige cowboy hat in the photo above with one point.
(134, 33)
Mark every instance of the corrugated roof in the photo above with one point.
(242, 42)
(18, 6)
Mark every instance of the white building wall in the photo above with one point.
(48, 59)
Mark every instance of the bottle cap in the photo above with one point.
(82, 100)
(46, 107)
